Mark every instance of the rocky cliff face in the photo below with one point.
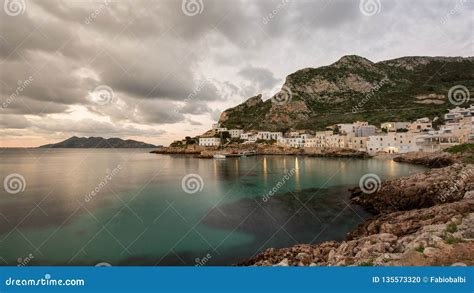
(354, 88)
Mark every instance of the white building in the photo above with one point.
(358, 143)
(366, 130)
(295, 142)
(406, 142)
(264, 135)
(394, 126)
(276, 135)
(311, 142)
(267, 135)
(420, 125)
(459, 113)
(235, 133)
(382, 143)
(246, 135)
(335, 141)
(350, 129)
(209, 141)
(433, 142)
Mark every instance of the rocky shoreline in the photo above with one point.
(430, 160)
(259, 149)
(422, 219)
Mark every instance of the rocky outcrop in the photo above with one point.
(422, 190)
(440, 235)
(193, 149)
(248, 105)
(425, 220)
(431, 160)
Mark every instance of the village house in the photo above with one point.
(459, 113)
(209, 141)
(394, 126)
(350, 129)
(420, 125)
(295, 142)
(276, 135)
(264, 135)
(366, 130)
(358, 143)
(336, 141)
(382, 143)
(235, 133)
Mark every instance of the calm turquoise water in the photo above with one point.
(140, 214)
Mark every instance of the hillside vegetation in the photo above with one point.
(354, 88)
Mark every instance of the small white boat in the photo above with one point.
(219, 156)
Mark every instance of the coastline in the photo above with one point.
(422, 219)
(260, 150)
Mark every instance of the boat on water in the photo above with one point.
(219, 156)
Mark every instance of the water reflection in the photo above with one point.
(137, 200)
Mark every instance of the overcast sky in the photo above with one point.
(159, 70)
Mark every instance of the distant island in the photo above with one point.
(98, 142)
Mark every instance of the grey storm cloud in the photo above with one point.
(261, 76)
(90, 127)
(14, 122)
(155, 57)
